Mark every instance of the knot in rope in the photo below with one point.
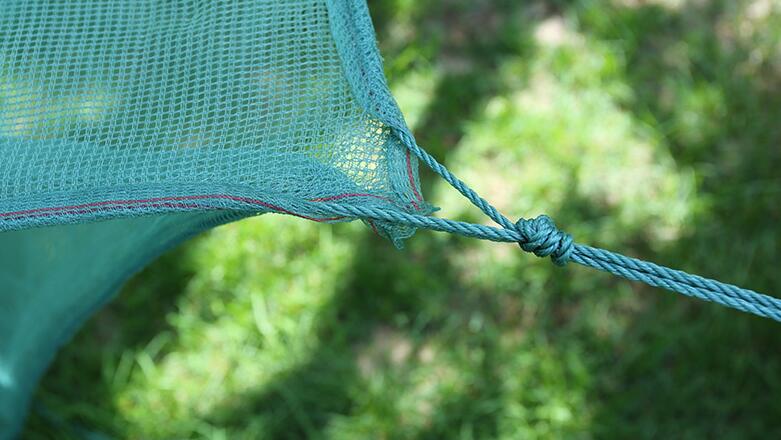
(541, 237)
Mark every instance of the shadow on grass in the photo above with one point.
(682, 362)
(302, 401)
(680, 367)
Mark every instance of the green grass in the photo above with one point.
(651, 128)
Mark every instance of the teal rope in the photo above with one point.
(541, 237)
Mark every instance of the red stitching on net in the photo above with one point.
(153, 203)
(342, 196)
(168, 202)
(412, 181)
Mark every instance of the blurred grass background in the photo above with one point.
(651, 127)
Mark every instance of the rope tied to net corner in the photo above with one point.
(541, 237)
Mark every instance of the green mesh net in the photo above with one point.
(128, 126)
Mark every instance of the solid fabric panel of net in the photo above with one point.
(128, 126)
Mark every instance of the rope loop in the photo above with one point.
(541, 237)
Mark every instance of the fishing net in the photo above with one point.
(127, 126)
(162, 119)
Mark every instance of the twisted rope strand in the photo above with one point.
(740, 299)
(647, 270)
(536, 236)
(455, 182)
(541, 237)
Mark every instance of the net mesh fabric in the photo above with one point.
(162, 119)
(282, 101)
